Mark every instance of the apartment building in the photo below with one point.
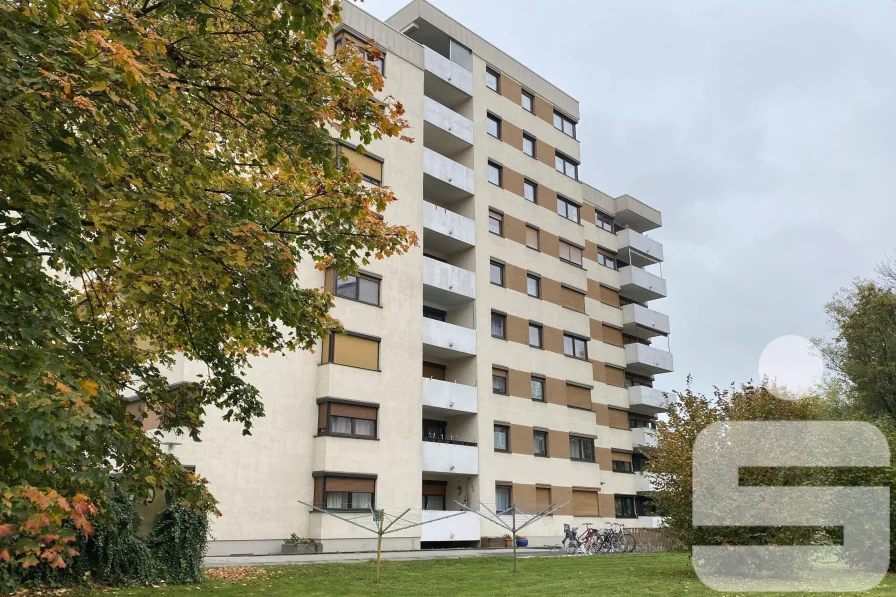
(508, 360)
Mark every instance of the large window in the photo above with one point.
(540, 443)
(499, 381)
(359, 288)
(568, 209)
(532, 237)
(499, 325)
(603, 220)
(625, 506)
(529, 145)
(535, 335)
(494, 126)
(606, 261)
(495, 222)
(565, 124)
(574, 346)
(502, 438)
(494, 173)
(530, 191)
(622, 466)
(503, 498)
(353, 350)
(566, 165)
(496, 273)
(533, 285)
(527, 101)
(344, 492)
(492, 79)
(581, 448)
(536, 386)
(347, 419)
(570, 253)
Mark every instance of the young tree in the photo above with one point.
(164, 165)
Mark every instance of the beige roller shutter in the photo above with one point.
(584, 503)
(339, 409)
(542, 497)
(608, 296)
(578, 396)
(615, 376)
(365, 164)
(356, 351)
(572, 299)
(612, 335)
(350, 484)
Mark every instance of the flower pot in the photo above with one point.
(522, 543)
(507, 543)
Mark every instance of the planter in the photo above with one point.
(522, 543)
(508, 543)
(300, 549)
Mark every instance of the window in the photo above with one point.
(581, 448)
(359, 288)
(574, 346)
(343, 418)
(494, 173)
(535, 335)
(529, 145)
(499, 325)
(532, 237)
(503, 498)
(371, 168)
(562, 123)
(536, 388)
(530, 191)
(433, 502)
(492, 79)
(533, 285)
(527, 101)
(433, 313)
(348, 500)
(496, 273)
(374, 55)
(495, 222)
(622, 466)
(644, 506)
(434, 494)
(499, 381)
(625, 506)
(641, 423)
(434, 431)
(344, 492)
(540, 443)
(568, 209)
(606, 261)
(570, 253)
(566, 165)
(494, 126)
(502, 437)
(460, 55)
(603, 221)
(352, 350)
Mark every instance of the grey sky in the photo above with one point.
(764, 130)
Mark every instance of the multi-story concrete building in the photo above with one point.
(507, 360)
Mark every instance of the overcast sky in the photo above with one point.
(764, 130)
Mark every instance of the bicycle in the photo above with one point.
(616, 539)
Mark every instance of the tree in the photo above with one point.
(164, 165)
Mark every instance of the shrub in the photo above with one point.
(178, 540)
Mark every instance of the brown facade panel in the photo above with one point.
(547, 198)
(572, 299)
(608, 296)
(517, 329)
(553, 339)
(562, 495)
(604, 458)
(330, 280)
(519, 383)
(524, 496)
(511, 89)
(598, 371)
(515, 278)
(319, 492)
(352, 410)
(512, 181)
(558, 444)
(615, 376)
(514, 229)
(587, 213)
(542, 498)
(512, 135)
(550, 243)
(618, 418)
(148, 420)
(584, 503)
(601, 414)
(596, 330)
(607, 505)
(612, 335)
(594, 289)
(543, 109)
(578, 396)
(590, 248)
(551, 290)
(555, 392)
(322, 415)
(521, 439)
(544, 153)
(350, 484)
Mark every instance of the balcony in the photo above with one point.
(643, 484)
(446, 232)
(646, 400)
(447, 398)
(640, 285)
(444, 180)
(444, 130)
(644, 323)
(447, 285)
(450, 458)
(460, 527)
(633, 214)
(637, 249)
(642, 436)
(445, 81)
(647, 360)
(447, 341)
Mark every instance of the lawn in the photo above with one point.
(616, 575)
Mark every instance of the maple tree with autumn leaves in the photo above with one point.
(164, 165)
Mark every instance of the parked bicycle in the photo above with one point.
(616, 539)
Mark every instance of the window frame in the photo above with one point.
(537, 280)
(360, 276)
(608, 262)
(585, 441)
(622, 469)
(537, 231)
(534, 143)
(567, 204)
(499, 169)
(500, 267)
(564, 119)
(534, 186)
(326, 431)
(540, 330)
(567, 162)
(572, 246)
(504, 377)
(506, 431)
(497, 315)
(498, 217)
(602, 220)
(330, 349)
(509, 489)
(324, 477)
(531, 97)
(544, 388)
(544, 434)
(496, 120)
(497, 76)
(616, 501)
(575, 338)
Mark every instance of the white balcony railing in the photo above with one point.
(447, 340)
(642, 483)
(647, 360)
(448, 458)
(637, 249)
(444, 179)
(646, 400)
(444, 129)
(642, 436)
(443, 525)
(446, 231)
(447, 285)
(448, 396)
(454, 81)
(643, 322)
(640, 285)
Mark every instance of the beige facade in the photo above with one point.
(490, 364)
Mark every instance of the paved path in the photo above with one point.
(323, 558)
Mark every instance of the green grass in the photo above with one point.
(616, 575)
